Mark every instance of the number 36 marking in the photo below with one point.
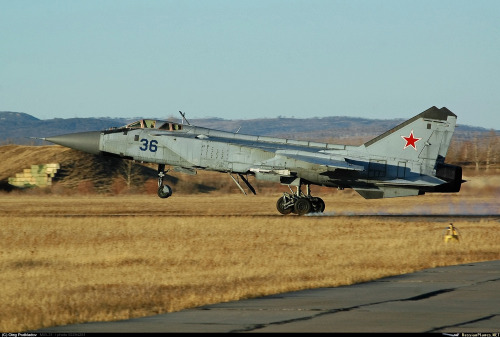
(153, 145)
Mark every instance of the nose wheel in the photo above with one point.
(164, 191)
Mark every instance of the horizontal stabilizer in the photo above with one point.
(424, 181)
(386, 192)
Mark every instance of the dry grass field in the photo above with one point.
(93, 258)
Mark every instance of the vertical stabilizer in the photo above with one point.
(425, 137)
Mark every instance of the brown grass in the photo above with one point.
(78, 259)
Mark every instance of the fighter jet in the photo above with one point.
(408, 160)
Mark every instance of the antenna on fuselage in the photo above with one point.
(184, 118)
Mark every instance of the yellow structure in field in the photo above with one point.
(37, 175)
(451, 234)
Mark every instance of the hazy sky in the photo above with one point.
(238, 59)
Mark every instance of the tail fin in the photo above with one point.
(426, 138)
(409, 159)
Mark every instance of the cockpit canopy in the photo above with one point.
(154, 124)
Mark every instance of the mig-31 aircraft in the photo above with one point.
(407, 160)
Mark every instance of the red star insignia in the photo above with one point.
(411, 140)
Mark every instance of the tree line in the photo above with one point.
(481, 151)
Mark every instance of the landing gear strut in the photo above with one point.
(300, 203)
(164, 191)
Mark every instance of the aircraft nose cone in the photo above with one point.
(82, 141)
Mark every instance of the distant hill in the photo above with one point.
(17, 127)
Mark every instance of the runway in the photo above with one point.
(452, 299)
(407, 217)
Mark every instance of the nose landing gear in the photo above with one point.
(164, 191)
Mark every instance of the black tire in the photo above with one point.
(318, 205)
(281, 208)
(164, 191)
(302, 206)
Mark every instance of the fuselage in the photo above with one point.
(407, 160)
(267, 158)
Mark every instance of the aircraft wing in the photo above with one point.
(326, 161)
(282, 153)
(281, 163)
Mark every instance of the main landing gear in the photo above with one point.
(164, 191)
(300, 203)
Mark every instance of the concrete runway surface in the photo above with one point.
(464, 298)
